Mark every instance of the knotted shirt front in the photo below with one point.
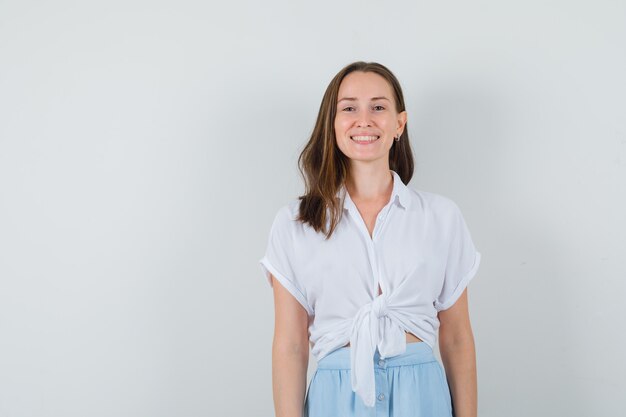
(420, 253)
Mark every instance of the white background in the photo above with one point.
(146, 146)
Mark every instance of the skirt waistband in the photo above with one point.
(416, 353)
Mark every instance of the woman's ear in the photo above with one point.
(402, 116)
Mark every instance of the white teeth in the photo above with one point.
(364, 138)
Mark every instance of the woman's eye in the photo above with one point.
(379, 108)
(349, 108)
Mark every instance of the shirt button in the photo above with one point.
(381, 397)
(381, 362)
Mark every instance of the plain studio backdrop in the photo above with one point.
(146, 146)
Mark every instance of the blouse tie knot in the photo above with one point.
(379, 306)
(375, 327)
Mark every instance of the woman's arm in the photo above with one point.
(456, 345)
(290, 353)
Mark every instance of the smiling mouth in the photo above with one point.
(364, 139)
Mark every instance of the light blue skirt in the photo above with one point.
(412, 384)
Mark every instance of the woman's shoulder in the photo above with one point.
(430, 201)
(289, 210)
(286, 215)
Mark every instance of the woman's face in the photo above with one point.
(366, 120)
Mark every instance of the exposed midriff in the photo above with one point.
(410, 338)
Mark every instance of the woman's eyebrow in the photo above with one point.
(354, 98)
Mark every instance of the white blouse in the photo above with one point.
(421, 253)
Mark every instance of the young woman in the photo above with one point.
(367, 271)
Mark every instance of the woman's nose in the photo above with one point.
(364, 119)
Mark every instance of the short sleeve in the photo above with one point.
(462, 261)
(279, 257)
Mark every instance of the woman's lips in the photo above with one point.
(364, 140)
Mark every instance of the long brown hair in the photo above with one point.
(323, 165)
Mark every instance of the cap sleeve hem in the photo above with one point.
(461, 287)
(267, 267)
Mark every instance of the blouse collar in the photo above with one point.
(400, 192)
